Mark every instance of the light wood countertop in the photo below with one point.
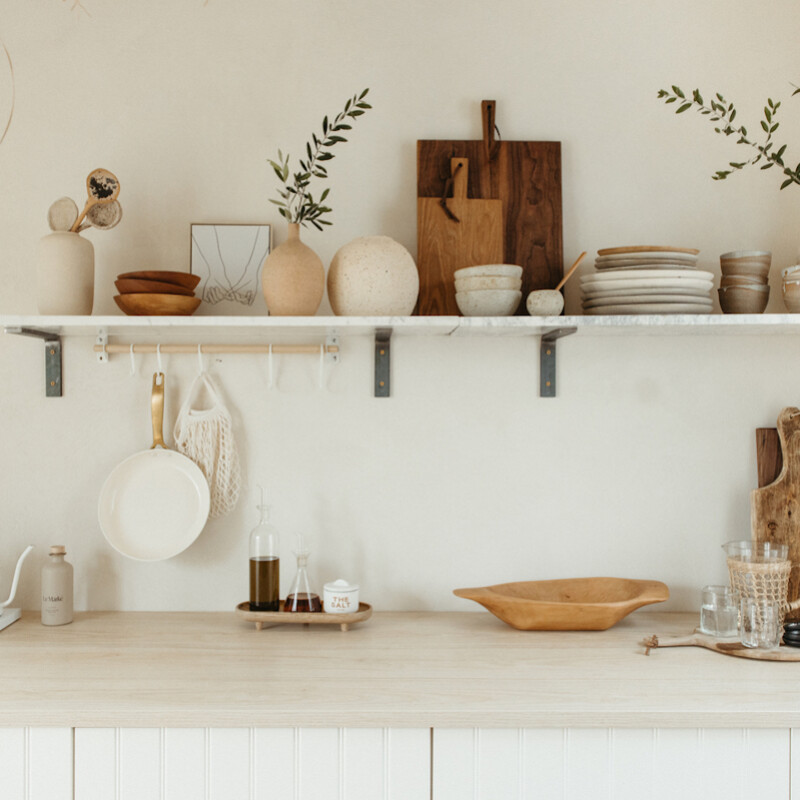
(413, 669)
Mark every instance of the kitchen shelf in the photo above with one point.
(325, 329)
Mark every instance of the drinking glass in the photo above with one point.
(760, 624)
(719, 611)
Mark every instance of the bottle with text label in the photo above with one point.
(57, 582)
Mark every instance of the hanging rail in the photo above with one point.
(210, 349)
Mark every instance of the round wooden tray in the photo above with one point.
(265, 618)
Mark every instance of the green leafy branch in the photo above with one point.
(297, 204)
(724, 113)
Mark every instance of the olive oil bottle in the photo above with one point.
(265, 575)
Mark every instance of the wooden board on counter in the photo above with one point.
(775, 507)
(526, 177)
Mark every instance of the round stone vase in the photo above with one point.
(65, 274)
(293, 278)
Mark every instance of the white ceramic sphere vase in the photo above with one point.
(65, 274)
(373, 276)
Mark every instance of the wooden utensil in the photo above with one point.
(102, 187)
(728, 648)
(526, 177)
(571, 604)
(62, 214)
(104, 216)
(775, 508)
(270, 618)
(454, 232)
(572, 269)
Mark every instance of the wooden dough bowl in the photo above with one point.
(571, 604)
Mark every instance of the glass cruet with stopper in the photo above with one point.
(264, 563)
(300, 597)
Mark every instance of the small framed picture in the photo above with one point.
(228, 258)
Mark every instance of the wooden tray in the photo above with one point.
(262, 618)
(726, 647)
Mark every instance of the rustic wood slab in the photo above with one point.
(465, 233)
(726, 647)
(775, 508)
(526, 176)
(769, 458)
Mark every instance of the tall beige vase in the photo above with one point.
(293, 278)
(65, 274)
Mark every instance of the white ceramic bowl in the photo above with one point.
(488, 302)
(487, 282)
(791, 273)
(545, 303)
(501, 270)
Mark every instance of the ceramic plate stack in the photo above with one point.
(647, 280)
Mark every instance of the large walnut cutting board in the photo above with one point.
(455, 232)
(526, 176)
(775, 508)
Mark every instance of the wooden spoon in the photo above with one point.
(571, 270)
(62, 214)
(102, 187)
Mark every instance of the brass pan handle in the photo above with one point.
(157, 407)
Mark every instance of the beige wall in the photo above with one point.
(640, 468)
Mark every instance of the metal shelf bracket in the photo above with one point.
(383, 361)
(547, 360)
(102, 341)
(52, 357)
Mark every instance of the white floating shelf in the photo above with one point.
(321, 329)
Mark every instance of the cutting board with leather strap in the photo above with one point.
(455, 232)
(526, 177)
(775, 508)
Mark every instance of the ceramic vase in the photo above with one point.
(373, 276)
(65, 274)
(293, 278)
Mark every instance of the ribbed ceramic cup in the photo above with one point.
(753, 263)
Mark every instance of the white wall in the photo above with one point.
(641, 467)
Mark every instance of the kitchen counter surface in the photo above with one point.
(414, 669)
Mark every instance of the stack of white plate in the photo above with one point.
(647, 280)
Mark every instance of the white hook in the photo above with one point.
(271, 382)
(158, 356)
(133, 362)
(321, 367)
(200, 358)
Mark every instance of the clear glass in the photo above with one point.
(264, 564)
(300, 597)
(760, 624)
(758, 552)
(719, 611)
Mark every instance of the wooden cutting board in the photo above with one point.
(775, 508)
(526, 176)
(455, 232)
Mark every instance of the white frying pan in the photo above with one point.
(155, 503)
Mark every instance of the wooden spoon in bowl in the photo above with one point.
(570, 271)
(102, 187)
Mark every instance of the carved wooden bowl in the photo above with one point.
(571, 604)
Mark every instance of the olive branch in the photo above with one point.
(297, 204)
(723, 112)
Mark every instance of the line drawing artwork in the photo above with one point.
(228, 258)
(77, 5)
(12, 89)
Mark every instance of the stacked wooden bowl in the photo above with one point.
(157, 293)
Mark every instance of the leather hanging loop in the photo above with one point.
(488, 115)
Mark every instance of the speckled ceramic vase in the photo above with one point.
(293, 278)
(65, 274)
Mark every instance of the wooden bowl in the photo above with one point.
(157, 305)
(141, 286)
(184, 279)
(571, 604)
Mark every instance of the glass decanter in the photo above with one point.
(300, 597)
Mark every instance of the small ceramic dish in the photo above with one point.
(755, 263)
(743, 299)
(487, 282)
(545, 303)
(501, 270)
(488, 302)
(153, 304)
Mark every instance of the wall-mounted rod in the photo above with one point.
(252, 349)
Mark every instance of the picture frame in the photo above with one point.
(228, 258)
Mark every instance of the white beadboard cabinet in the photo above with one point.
(613, 764)
(252, 764)
(36, 763)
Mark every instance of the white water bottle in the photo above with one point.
(57, 588)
